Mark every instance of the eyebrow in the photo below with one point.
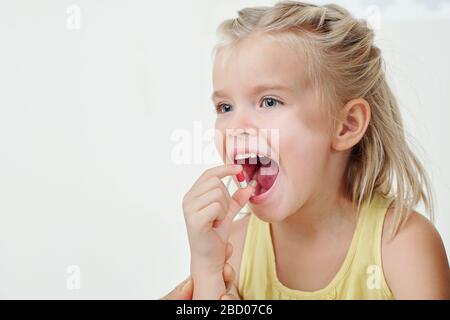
(256, 89)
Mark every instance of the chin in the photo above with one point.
(278, 208)
(275, 211)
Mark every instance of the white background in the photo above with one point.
(87, 116)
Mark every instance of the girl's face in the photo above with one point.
(260, 87)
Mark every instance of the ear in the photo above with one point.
(352, 124)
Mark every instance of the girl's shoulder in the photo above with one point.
(414, 259)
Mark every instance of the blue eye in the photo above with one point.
(267, 102)
(270, 102)
(223, 108)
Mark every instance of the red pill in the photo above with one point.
(241, 179)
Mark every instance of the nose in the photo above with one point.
(242, 123)
(240, 129)
(242, 132)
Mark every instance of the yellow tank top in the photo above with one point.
(360, 276)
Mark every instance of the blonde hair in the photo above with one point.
(344, 63)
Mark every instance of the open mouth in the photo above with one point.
(262, 169)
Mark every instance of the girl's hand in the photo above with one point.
(185, 290)
(209, 211)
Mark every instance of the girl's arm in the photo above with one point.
(415, 262)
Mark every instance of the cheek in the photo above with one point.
(219, 143)
(303, 152)
(219, 139)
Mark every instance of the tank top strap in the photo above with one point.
(254, 270)
(367, 261)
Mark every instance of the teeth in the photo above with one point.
(242, 156)
(254, 158)
(264, 160)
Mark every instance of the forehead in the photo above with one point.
(257, 59)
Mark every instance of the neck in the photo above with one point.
(327, 211)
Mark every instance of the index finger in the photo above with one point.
(221, 171)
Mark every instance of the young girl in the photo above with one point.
(332, 192)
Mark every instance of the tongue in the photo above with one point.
(266, 175)
(265, 180)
